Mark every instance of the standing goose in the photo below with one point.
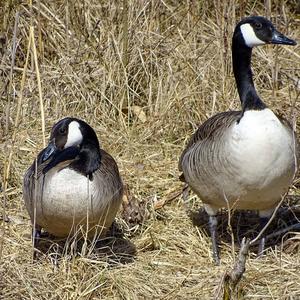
(242, 159)
(72, 183)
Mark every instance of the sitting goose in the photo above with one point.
(72, 183)
(242, 159)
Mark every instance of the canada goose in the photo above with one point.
(72, 183)
(242, 159)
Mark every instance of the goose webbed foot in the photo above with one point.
(213, 226)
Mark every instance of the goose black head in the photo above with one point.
(256, 31)
(69, 135)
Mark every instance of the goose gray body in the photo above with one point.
(243, 159)
(63, 198)
(246, 161)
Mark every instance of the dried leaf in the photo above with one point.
(139, 113)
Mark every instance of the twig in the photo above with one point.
(280, 232)
(125, 33)
(270, 220)
(171, 197)
(232, 278)
(229, 225)
(38, 77)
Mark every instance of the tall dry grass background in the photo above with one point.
(144, 74)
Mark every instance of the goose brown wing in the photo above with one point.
(209, 130)
(32, 177)
(109, 170)
(289, 127)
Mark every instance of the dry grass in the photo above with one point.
(105, 64)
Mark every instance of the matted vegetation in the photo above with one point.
(144, 74)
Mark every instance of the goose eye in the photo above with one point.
(257, 25)
(62, 130)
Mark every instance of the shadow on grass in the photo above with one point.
(111, 250)
(246, 224)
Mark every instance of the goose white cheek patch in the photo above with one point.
(250, 37)
(74, 135)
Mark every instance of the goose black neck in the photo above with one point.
(241, 59)
(89, 159)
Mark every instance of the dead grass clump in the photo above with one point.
(144, 74)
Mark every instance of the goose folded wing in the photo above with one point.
(209, 129)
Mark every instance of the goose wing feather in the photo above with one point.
(32, 177)
(109, 170)
(289, 127)
(209, 130)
